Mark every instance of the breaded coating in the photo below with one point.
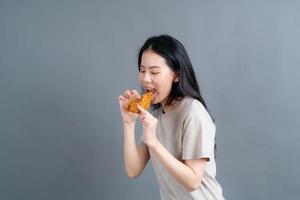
(145, 102)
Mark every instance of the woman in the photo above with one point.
(178, 134)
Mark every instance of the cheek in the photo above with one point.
(163, 88)
(140, 78)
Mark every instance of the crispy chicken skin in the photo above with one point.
(145, 102)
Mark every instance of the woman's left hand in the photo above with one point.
(149, 126)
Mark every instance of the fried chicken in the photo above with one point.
(145, 102)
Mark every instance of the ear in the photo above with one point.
(176, 77)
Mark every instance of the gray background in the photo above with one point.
(63, 63)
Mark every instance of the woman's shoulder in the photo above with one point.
(191, 104)
(192, 107)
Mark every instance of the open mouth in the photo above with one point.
(150, 90)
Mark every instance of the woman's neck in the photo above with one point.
(167, 108)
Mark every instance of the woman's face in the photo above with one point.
(156, 76)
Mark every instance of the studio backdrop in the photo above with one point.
(63, 64)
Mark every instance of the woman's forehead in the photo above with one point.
(151, 59)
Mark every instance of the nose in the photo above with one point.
(147, 78)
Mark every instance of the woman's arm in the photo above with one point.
(189, 173)
(135, 157)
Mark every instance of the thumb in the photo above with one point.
(141, 109)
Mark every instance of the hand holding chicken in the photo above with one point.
(145, 102)
(128, 104)
(149, 123)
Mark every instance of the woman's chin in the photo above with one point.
(155, 101)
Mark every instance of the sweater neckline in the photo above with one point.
(175, 107)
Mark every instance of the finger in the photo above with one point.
(121, 98)
(142, 110)
(121, 102)
(136, 94)
(127, 94)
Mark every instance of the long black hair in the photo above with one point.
(178, 60)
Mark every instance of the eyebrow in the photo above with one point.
(151, 67)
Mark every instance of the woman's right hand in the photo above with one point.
(123, 101)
